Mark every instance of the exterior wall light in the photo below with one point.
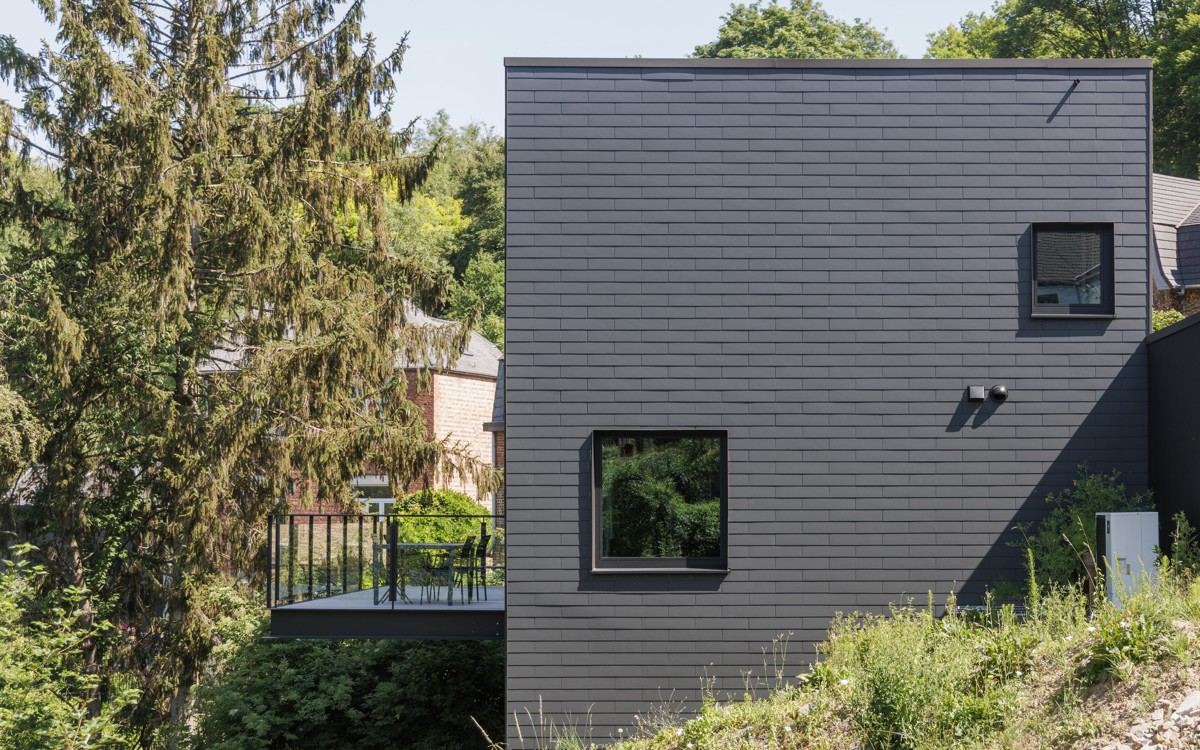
(999, 394)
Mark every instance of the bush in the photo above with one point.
(425, 516)
(45, 687)
(419, 695)
(1064, 541)
(1164, 318)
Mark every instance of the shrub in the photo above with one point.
(1185, 550)
(45, 687)
(1164, 318)
(1064, 541)
(439, 516)
(298, 694)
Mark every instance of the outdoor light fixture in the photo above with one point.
(999, 394)
(975, 394)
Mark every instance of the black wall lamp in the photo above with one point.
(977, 394)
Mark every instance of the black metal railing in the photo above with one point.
(322, 555)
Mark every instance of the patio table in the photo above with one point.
(397, 578)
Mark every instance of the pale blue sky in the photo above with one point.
(458, 46)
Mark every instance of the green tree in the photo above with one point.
(802, 29)
(1169, 32)
(198, 291)
(456, 222)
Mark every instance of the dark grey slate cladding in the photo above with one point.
(819, 261)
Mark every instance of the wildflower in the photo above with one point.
(1019, 673)
(678, 732)
(787, 728)
(844, 682)
(1091, 629)
(1124, 623)
(1069, 638)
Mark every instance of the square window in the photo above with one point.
(1073, 270)
(659, 501)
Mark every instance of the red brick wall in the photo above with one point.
(451, 404)
(463, 403)
(498, 437)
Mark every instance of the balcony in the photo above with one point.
(349, 575)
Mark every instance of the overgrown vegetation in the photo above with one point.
(1064, 541)
(356, 694)
(1062, 676)
(45, 686)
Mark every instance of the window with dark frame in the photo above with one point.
(660, 500)
(1072, 270)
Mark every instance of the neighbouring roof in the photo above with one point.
(480, 357)
(497, 423)
(1177, 231)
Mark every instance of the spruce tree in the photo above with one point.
(199, 300)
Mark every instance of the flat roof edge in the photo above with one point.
(725, 62)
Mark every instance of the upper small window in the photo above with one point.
(1073, 269)
(659, 500)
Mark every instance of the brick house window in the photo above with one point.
(1072, 270)
(659, 501)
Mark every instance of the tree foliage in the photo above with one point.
(801, 29)
(1168, 32)
(198, 291)
(456, 222)
(45, 687)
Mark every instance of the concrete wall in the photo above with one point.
(818, 259)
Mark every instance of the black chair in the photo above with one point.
(480, 572)
(464, 567)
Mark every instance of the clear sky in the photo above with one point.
(457, 47)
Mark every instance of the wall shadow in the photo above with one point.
(1113, 435)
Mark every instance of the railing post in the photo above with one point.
(328, 553)
(310, 557)
(270, 549)
(345, 554)
(275, 522)
(393, 529)
(291, 587)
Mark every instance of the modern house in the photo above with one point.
(757, 310)
(787, 338)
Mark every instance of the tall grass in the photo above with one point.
(919, 678)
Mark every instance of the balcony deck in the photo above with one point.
(326, 573)
(355, 615)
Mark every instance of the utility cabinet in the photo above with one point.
(1127, 544)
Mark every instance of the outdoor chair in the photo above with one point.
(479, 572)
(464, 565)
